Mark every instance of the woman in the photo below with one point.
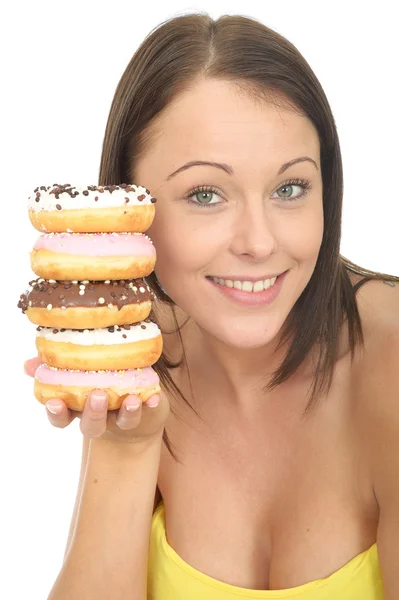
(278, 473)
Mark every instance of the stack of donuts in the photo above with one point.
(90, 302)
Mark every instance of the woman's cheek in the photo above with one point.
(303, 236)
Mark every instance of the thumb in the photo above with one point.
(31, 365)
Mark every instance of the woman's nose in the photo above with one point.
(253, 235)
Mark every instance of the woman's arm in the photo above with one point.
(378, 420)
(85, 450)
(109, 543)
(383, 442)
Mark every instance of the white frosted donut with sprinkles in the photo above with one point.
(113, 348)
(95, 256)
(73, 386)
(91, 209)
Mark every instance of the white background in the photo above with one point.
(61, 64)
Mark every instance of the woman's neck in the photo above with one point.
(236, 373)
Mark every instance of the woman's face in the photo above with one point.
(245, 223)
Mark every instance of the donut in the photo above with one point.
(97, 256)
(72, 386)
(91, 209)
(86, 304)
(112, 348)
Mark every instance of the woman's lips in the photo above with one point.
(251, 298)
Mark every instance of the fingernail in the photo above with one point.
(54, 407)
(132, 404)
(153, 401)
(98, 401)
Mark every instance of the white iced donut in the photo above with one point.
(91, 209)
(112, 348)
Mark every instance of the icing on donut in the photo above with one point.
(57, 197)
(130, 378)
(126, 334)
(48, 293)
(97, 244)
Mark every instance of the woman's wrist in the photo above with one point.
(124, 449)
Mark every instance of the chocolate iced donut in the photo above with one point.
(92, 208)
(112, 348)
(73, 386)
(97, 256)
(86, 304)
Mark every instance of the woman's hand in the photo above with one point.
(122, 425)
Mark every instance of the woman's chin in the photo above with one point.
(246, 338)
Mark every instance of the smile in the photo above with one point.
(246, 286)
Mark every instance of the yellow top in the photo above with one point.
(170, 578)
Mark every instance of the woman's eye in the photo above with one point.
(203, 197)
(288, 194)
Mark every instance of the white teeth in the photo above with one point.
(246, 286)
(258, 286)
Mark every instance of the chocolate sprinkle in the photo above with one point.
(57, 189)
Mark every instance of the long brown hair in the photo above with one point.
(262, 63)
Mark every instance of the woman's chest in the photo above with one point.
(269, 503)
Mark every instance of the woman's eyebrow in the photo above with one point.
(229, 169)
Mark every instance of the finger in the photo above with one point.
(94, 418)
(31, 365)
(153, 401)
(58, 413)
(129, 414)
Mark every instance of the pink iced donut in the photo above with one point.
(93, 256)
(73, 386)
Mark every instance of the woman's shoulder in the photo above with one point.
(378, 303)
(376, 385)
